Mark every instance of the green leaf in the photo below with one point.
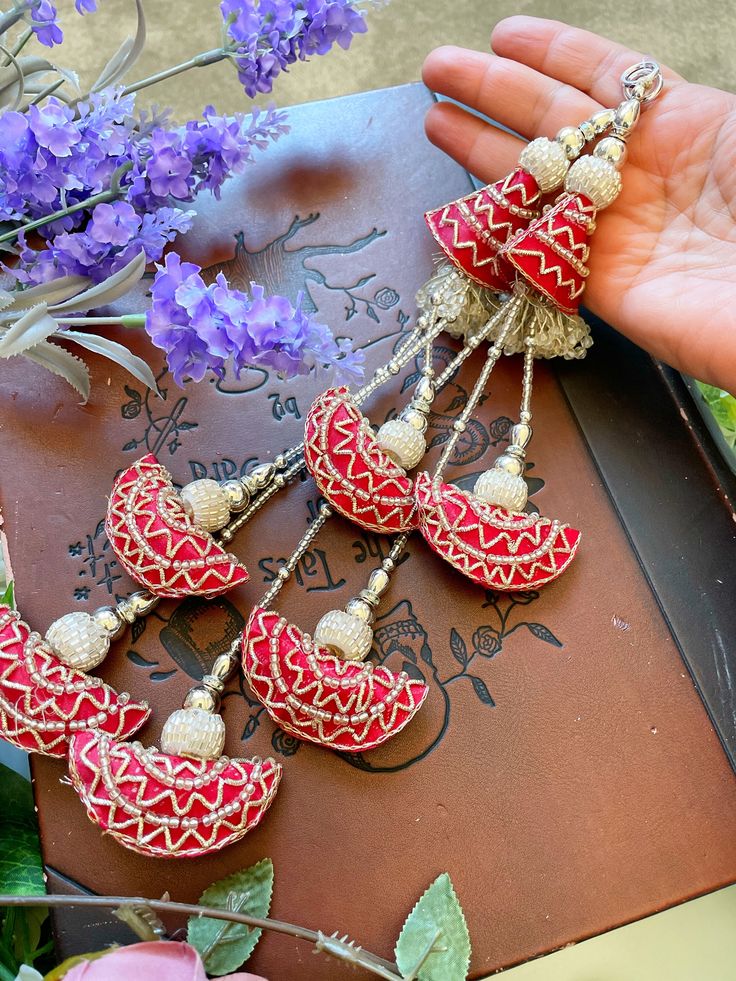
(222, 945)
(16, 799)
(8, 597)
(434, 944)
(20, 861)
(723, 407)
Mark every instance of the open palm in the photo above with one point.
(663, 259)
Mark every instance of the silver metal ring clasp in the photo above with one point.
(642, 81)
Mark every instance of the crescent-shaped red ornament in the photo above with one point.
(355, 475)
(350, 706)
(158, 544)
(169, 806)
(500, 549)
(43, 703)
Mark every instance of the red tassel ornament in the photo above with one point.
(472, 230)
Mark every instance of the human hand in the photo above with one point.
(663, 258)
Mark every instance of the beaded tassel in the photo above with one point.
(186, 800)
(322, 689)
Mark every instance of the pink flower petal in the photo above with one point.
(160, 960)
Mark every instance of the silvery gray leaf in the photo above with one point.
(69, 75)
(17, 86)
(6, 299)
(109, 289)
(126, 56)
(71, 368)
(33, 326)
(53, 292)
(27, 66)
(115, 352)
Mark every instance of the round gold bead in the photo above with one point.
(108, 619)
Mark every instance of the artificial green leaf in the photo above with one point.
(16, 798)
(222, 945)
(21, 872)
(8, 597)
(28, 938)
(434, 944)
(723, 407)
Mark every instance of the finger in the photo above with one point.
(513, 94)
(579, 58)
(485, 151)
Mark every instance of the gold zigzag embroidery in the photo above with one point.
(137, 817)
(306, 695)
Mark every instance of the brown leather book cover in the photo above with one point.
(563, 771)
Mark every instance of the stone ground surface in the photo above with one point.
(694, 38)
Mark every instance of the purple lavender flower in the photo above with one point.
(48, 157)
(266, 36)
(168, 168)
(85, 6)
(43, 22)
(54, 128)
(202, 326)
(114, 224)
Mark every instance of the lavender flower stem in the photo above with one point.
(130, 320)
(199, 61)
(19, 45)
(102, 197)
(49, 90)
(12, 17)
(111, 194)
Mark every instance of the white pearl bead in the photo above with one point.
(402, 442)
(504, 489)
(78, 640)
(208, 503)
(193, 732)
(597, 179)
(344, 635)
(546, 161)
